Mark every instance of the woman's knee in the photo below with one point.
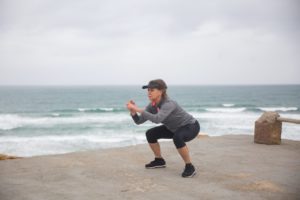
(178, 141)
(151, 136)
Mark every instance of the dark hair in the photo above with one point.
(164, 94)
(163, 87)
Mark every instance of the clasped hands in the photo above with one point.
(133, 108)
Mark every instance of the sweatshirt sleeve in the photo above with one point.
(161, 115)
(139, 119)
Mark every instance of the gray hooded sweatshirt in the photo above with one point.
(167, 112)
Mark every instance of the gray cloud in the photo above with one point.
(130, 42)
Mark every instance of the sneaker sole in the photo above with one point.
(190, 176)
(161, 166)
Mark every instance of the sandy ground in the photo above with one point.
(229, 167)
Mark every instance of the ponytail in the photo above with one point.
(164, 94)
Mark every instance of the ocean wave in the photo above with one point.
(98, 109)
(283, 109)
(46, 145)
(55, 114)
(226, 110)
(13, 121)
(63, 138)
(90, 110)
(228, 104)
(226, 117)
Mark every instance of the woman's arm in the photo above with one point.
(138, 119)
(161, 115)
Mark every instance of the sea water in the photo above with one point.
(60, 119)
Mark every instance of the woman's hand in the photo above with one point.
(128, 105)
(133, 108)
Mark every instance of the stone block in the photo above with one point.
(268, 129)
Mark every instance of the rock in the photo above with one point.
(268, 129)
(6, 157)
(202, 135)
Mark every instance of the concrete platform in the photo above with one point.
(228, 167)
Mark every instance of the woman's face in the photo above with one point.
(154, 94)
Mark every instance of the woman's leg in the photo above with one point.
(184, 153)
(154, 134)
(155, 147)
(182, 135)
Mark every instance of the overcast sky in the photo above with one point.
(94, 42)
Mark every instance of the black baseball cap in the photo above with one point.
(158, 84)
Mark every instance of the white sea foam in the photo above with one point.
(41, 145)
(241, 123)
(228, 104)
(12, 121)
(290, 115)
(225, 115)
(226, 110)
(284, 109)
(105, 109)
(70, 138)
(55, 114)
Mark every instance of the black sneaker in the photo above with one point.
(157, 163)
(189, 171)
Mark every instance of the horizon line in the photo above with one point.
(120, 85)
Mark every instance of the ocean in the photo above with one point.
(60, 119)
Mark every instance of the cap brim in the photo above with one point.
(152, 86)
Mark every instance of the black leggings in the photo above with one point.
(180, 136)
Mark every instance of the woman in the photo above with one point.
(177, 124)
